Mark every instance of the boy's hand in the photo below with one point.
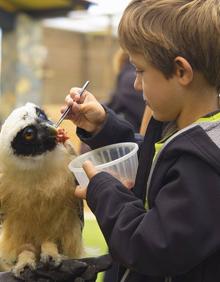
(90, 170)
(86, 112)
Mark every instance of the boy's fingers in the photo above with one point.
(80, 192)
(89, 169)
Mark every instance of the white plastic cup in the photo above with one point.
(120, 160)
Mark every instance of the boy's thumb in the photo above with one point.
(89, 169)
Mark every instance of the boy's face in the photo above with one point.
(163, 96)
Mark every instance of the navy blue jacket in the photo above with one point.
(178, 238)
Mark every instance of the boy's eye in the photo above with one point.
(139, 71)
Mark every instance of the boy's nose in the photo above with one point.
(138, 84)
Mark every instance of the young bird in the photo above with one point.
(41, 218)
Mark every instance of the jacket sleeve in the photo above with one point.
(115, 130)
(179, 231)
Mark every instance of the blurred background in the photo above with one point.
(49, 46)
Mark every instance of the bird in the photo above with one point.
(41, 218)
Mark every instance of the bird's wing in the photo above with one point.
(80, 207)
(80, 212)
(2, 214)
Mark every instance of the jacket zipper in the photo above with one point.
(159, 153)
(125, 275)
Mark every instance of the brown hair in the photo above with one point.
(119, 60)
(164, 29)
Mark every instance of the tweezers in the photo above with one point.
(69, 108)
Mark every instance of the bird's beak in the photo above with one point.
(52, 131)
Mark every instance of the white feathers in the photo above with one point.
(16, 121)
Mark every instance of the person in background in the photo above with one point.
(167, 227)
(125, 101)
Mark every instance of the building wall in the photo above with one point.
(74, 58)
(22, 59)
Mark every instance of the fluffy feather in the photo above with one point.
(41, 219)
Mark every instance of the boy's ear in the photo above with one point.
(183, 71)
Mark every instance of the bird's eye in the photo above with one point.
(41, 114)
(29, 134)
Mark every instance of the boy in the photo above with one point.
(175, 47)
